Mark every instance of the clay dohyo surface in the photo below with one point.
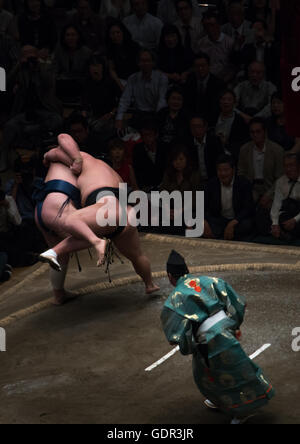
(85, 363)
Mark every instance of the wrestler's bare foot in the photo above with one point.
(150, 289)
(101, 250)
(62, 297)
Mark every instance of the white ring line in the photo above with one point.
(176, 349)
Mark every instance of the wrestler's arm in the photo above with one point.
(71, 149)
(56, 155)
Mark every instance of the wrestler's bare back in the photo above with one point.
(96, 174)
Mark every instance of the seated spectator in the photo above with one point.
(229, 206)
(285, 213)
(37, 28)
(5, 268)
(254, 95)
(118, 158)
(115, 9)
(146, 90)
(219, 47)
(265, 51)
(35, 101)
(173, 120)
(10, 242)
(205, 148)
(99, 99)
(276, 124)
(238, 28)
(261, 10)
(167, 13)
(122, 54)
(6, 21)
(71, 62)
(144, 27)
(202, 90)
(77, 126)
(9, 56)
(231, 129)
(21, 187)
(190, 28)
(149, 158)
(180, 175)
(172, 59)
(261, 162)
(89, 24)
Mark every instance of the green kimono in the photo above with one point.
(225, 374)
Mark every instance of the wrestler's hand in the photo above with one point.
(76, 168)
(238, 335)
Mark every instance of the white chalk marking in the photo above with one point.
(162, 360)
(260, 351)
(176, 349)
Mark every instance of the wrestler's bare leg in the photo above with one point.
(128, 243)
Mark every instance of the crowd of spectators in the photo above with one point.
(173, 94)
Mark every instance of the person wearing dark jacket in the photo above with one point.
(149, 158)
(202, 90)
(229, 206)
(231, 128)
(205, 148)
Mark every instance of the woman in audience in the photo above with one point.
(122, 54)
(120, 163)
(37, 28)
(276, 124)
(71, 63)
(180, 175)
(172, 56)
(173, 120)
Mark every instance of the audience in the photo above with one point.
(145, 91)
(229, 206)
(122, 53)
(205, 148)
(285, 213)
(202, 90)
(144, 27)
(254, 95)
(230, 127)
(166, 73)
(119, 161)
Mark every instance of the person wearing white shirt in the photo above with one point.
(9, 214)
(144, 27)
(190, 27)
(285, 212)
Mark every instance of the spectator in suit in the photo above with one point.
(144, 27)
(231, 128)
(285, 213)
(276, 124)
(205, 148)
(261, 162)
(149, 159)
(190, 28)
(167, 13)
(229, 206)
(263, 50)
(173, 120)
(202, 90)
